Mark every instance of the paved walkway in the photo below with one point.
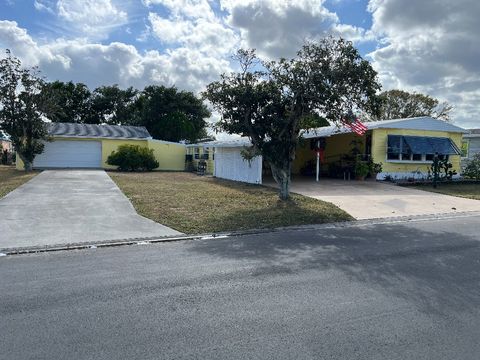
(371, 200)
(71, 206)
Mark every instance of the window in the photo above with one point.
(196, 152)
(394, 147)
(206, 153)
(465, 145)
(419, 148)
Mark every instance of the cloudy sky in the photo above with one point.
(429, 46)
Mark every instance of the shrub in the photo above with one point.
(472, 169)
(361, 169)
(133, 158)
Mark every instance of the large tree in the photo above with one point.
(112, 105)
(271, 102)
(22, 106)
(398, 104)
(71, 102)
(170, 114)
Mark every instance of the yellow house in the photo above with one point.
(89, 145)
(198, 152)
(404, 147)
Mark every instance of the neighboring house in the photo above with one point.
(405, 147)
(5, 143)
(470, 144)
(202, 151)
(88, 146)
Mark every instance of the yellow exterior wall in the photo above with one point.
(170, 156)
(379, 150)
(336, 146)
(210, 161)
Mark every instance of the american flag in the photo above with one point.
(355, 125)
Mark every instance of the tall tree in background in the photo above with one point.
(112, 105)
(170, 114)
(398, 104)
(70, 102)
(22, 105)
(326, 80)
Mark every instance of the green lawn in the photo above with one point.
(194, 204)
(471, 191)
(10, 179)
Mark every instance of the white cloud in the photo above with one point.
(170, 30)
(185, 8)
(115, 63)
(431, 47)
(94, 19)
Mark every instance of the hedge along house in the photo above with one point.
(88, 146)
(405, 147)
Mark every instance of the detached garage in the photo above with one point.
(230, 164)
(85, 145)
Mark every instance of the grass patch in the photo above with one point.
(470, 191)
(10, 179)
(194, 204)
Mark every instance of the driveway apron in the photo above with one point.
(60, 207)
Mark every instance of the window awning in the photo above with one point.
(428, 145)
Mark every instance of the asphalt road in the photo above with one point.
(391, 291)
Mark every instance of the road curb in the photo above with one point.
(212, 236)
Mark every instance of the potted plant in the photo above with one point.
(361, 170)
(375, 168)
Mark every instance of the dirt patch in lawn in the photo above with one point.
(10, 179)
(194, 204)
(469, 191)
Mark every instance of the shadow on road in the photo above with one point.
(439, 272)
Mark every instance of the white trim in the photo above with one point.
(165, 142)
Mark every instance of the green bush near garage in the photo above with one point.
(133, 158)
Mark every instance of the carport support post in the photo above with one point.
(318, 160)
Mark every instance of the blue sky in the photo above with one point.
(424, 46)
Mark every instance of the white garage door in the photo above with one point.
(229, 164)
(70, 154)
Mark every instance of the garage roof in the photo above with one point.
(98, 131)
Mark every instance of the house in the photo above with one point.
(5, 143)
(470, 144)
(201, 151)
(75, 145)
(404, 147)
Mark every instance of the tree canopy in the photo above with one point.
(271, 102)
(398, 104)
(22, 106)
(167, 113)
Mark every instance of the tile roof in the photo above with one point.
(98, 131)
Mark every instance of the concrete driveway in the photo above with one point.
(71, 206)
(371, 200)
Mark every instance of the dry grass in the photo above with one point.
(470, 191)
(10, 179)
(193, 204)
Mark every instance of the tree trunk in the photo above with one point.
(282, 178)
(28, 166)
